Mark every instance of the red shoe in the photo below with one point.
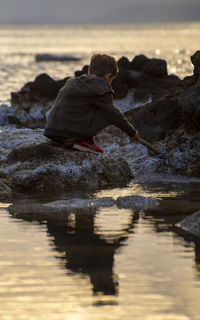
(88, 146)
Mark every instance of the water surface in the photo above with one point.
(111, 265)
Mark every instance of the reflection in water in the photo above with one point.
(166, 223)
(80, 266)
(87, 252)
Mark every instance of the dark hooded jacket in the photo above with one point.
(83, 107)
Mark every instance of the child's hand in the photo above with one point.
(136, 136)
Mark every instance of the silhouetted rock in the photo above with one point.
(154, 67)
(55, 57)
(152, 86)
(84, 70)
(120, 86)
(41, 90)
(195, 59)
(124, 63)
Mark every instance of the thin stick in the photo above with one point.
(148, 145)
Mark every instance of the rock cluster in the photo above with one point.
(141, 72)
(31, 163)
(61, 208)
(171, 119)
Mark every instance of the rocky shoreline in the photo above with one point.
(165, 110)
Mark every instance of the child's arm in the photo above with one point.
(113, 116)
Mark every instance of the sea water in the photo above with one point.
(114, 264)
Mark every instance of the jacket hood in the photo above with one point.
(86, 85)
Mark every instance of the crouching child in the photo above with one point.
(84, 106)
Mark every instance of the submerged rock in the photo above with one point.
(62, 208)
(55, 57)
(136, 203)
(191, 223)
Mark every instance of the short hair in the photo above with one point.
(102, 63)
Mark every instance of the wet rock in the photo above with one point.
(8, 115)
(183, 151)
(73, 171)
(60, 209)
(5, 190)
(136, 203)
(43, 166)
(191, 224)
(153, 67)
(37, 113)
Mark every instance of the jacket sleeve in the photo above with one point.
(112, 115)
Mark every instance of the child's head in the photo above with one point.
(103, 65)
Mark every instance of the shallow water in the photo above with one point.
(112, 265)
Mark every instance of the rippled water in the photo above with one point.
(19, 45)
(116, 264)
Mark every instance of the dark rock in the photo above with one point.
(84, 70)
(55, 57)
(61, 83)
(120, 86)
(42, 151)
(189, 102)
(41, 90)
(45, 87)
(5, 190)
(153, 67)
(187, 82)
(195, 59)
(136, 203)
(8, 115)
(136, 79)
(45, 166)
(191, 223)
(154, 119)
(141, 95)
(152, 86)
(124, 63)
(24, 95)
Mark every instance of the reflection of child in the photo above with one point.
(84, 106)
